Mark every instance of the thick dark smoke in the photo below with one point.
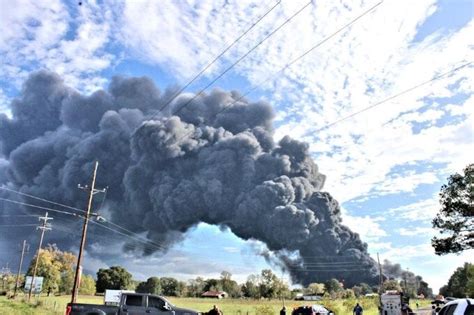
(394, 271)
(168, 173)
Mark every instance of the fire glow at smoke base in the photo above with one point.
(167, 174)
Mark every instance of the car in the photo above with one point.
(458, 307)
(315, 309)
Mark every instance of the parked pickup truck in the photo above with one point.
(130, 304)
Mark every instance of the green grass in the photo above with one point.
(56, 305)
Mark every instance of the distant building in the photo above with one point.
(308, 297)
(214, 294)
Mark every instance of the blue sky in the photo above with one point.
(385, 166)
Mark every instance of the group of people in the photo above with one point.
(358, 310)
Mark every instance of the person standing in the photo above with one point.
(215, 311)
(283, 311)
(358, 310)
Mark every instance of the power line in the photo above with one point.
(17, 215)
(73, 214)
(137, 238)
(292, 62)
(218, 56)
(42, 199)
(394, 96)
(39, 207)
(242, 57)
(16, 225)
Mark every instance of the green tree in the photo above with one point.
(195, 287)
(52, 264)
(250, 288)
(333, 286)
(212, 285)
(169, 286)
(67, 281)
(470, 281)
(87, 286)
(269, 284)
(391, 285)
(366, 289)
(459, 283)
(114, 278)
(315, 288)
(228, 285)
(456, 216)
(151, 285)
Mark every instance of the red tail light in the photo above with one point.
(68, 310)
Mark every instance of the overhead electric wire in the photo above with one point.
(42, 199)
(137, 238)
(437, 77)
(218, 56)
(39, 207)
(242, 57)
(18, 215)
(69, 213)
(345, 26)
(17, 225)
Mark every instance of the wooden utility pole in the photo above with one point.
(380, 281)
(92, 192)
(44, 227)
(19, 268)
(380, 273)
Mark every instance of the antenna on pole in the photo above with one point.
(44, 227)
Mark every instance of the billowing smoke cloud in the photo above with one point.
(168, 173)
(394, 271)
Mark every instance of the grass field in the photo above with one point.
(56, 305)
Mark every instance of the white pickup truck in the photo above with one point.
(458, 307)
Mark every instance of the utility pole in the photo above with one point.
(380, 273)
(92, 192)
(380, 281)
(44, 227)
(19, 268)
(405, 283)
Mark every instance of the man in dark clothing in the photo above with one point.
(357, 310)
(215, 311)
(283, 311)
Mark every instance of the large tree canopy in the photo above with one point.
(114, 278)
(461, 282)
(456, 217)
(56, 267)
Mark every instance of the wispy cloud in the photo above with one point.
(51, 35)
(423, 210)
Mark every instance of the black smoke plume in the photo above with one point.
(167, 173)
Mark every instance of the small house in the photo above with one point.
(214, 294)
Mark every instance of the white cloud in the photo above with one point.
(368, 227)
(47, 34)
(416, 231)
(422, 210)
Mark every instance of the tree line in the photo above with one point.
(57, 269)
